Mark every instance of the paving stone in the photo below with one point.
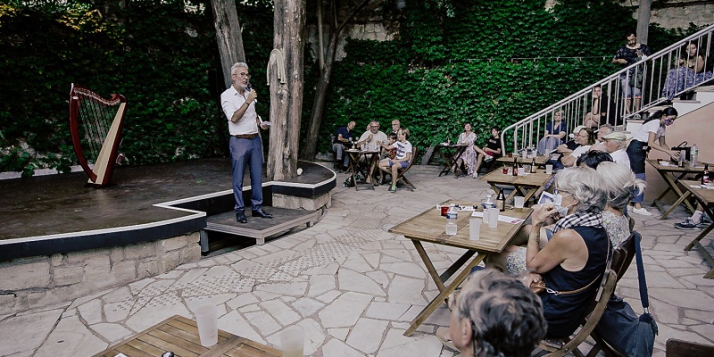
(387, 310)
(345, 310)
(405, 268)
(264, 322)
(335, 347)
(111, 332)
(71, 338)
(406, 290)
(27, 332)
(320, 284)
(236, 324)
(91, 312)
(367, 334)
(340, 333)
(281, 312)
(329, 296)
(314, 335)
(693, 299)
(353, 281)
(306, 306)
(418, 344)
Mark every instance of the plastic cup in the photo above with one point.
(292, 342)
(524, 154)
(444, 209)
(207, 320)
(492, 217)
(548, 169)
(474, 228)
(519, 201)
(521, 171)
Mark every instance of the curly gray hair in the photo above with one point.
(621, 184)
(506, 316)
(585, 185)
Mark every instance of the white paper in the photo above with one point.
(502, 218)
(266, 123)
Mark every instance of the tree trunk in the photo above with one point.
(228, 36)
(286, 92)
(323, 84)
(643, 20)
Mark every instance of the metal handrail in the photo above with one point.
(651, 72)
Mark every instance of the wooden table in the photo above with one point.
(180, 336)
(449, 157)
(540, 160)
(671, 174)
(705, 197)
(429, 226)
(526, 185)
(371, 158)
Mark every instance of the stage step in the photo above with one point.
(258, 228)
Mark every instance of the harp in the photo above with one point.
(95, 125)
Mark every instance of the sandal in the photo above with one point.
(442, 333)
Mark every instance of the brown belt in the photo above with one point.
(245, 136)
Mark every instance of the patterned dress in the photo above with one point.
(469, 156)
(680, 78)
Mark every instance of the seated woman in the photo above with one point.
(489, 152)
(575, 257)
(468, 156)
(495, 315)
(621, 186)
(688, 72)
(555, 132)
(401, 161)
(603, 110)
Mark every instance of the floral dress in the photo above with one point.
(682, 77)
(469, 156)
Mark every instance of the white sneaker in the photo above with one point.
(641, 211)
(475, 175)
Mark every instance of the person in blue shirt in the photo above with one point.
(344, 134)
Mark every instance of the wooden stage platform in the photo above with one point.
(59, 213)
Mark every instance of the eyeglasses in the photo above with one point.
(451, 300)
(242, 74)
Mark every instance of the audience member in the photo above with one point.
(651, 135)
(593, 158)
(585, 139)
(616, 144)
(494, 315)
(372, 137)
(697, 220)
(603, 110)
(602, 131)
(688, 72)
(401, 161)
(621, 186)
(555, 132)
(396, 125)
(631, 80)
(489, 152)
(468, 156)
(344, 135)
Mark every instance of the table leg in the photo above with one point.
(672, 185)
(444, 170)
(429, 266)
(675, 205)
(434, 304)
(696, 244)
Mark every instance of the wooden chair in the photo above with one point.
(680, 348)
(401, 172)
(562, 347)
(487, 167)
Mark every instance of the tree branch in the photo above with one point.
(353, 14)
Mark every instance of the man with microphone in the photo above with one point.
(238, 103)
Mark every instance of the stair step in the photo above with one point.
(694, 101)
(704, 89)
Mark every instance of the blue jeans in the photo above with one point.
(637, 155)
(339, 149)
(247, 152)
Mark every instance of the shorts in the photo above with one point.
(628, 90)
(403, 164)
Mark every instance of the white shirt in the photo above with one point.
(580, 150)
(379, 137)
(231, 100)
(652, 126)
(620, 157)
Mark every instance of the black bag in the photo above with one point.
(621, 328)
(683, 146)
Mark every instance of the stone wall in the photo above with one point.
(308, 204)
(35, 282)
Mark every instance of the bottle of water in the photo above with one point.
(694, 156)
(451, 218)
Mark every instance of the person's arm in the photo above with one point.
(569, 160)
(698, 64)
(661, 145)
(240, 112)
(566, 244)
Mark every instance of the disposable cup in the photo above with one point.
(492, 217)
(474, 228)
(292, 342)
(519, 201)
(548, 169)
(207, 319)
(521, 171)
(485, 215)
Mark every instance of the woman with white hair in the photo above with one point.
(621, 186)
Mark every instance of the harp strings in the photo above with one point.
(96, 116)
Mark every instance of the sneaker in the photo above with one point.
(475, 175)
(687, 224)
(706, 219)
(393, 188)
(641, 211)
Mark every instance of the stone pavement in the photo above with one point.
(348, 283)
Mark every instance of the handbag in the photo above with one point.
(621, 328)
(683, 146)
(636, 80)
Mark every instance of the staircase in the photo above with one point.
(623, 114)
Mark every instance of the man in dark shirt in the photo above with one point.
(489, 152)
(631, 79)
(338, 145)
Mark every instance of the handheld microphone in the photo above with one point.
(249, 88)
